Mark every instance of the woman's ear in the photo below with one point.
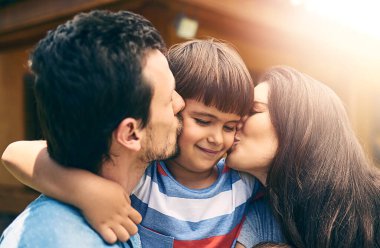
(128, 134)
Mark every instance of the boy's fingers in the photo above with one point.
(108, 235)
(121, 233)
(131, 212)
(134, 215)
(129, 226)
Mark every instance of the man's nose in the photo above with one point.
(178, 103)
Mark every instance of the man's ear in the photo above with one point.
(128, 134)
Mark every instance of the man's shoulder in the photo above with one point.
(46, 211)
(50, 223)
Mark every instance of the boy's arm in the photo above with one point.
(104, 203)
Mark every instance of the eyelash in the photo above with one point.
(253, 112)
(206, 123)
(230, 129)
(202, 122)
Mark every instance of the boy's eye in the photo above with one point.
(202, 122)
(229, 128)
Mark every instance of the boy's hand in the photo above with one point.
(108, 210)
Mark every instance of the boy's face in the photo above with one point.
(160, 141)
(206, 136)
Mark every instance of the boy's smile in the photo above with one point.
(208, 151)
(207, 134)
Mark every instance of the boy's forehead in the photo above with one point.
(195, 107)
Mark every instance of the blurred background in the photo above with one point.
(335, 41)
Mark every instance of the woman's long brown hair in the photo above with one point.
(321, 186)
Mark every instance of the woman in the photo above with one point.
(298, 141)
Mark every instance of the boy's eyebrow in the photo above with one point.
(210, 116)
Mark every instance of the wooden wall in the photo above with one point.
(265, 33)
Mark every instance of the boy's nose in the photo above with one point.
(216, 137)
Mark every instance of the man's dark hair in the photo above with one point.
(88, 78)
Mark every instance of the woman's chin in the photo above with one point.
(231, 161)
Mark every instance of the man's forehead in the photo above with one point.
(154, 62)
(156, 71)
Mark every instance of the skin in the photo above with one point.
(256, 140)
(207, 135)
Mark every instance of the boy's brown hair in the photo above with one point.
(212, 72)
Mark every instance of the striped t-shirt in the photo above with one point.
(176, 216)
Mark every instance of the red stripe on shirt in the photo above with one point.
(222, 241)
(161, 170)
(226, 169)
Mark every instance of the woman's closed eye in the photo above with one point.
(253, 112)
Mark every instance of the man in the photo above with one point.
(107, 104)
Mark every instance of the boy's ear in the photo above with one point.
(128, 134)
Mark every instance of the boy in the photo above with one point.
(191, 200)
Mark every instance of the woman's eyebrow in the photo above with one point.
(260, 103)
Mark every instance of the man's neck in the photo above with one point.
(125, 171)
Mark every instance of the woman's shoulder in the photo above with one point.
(260, 225)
